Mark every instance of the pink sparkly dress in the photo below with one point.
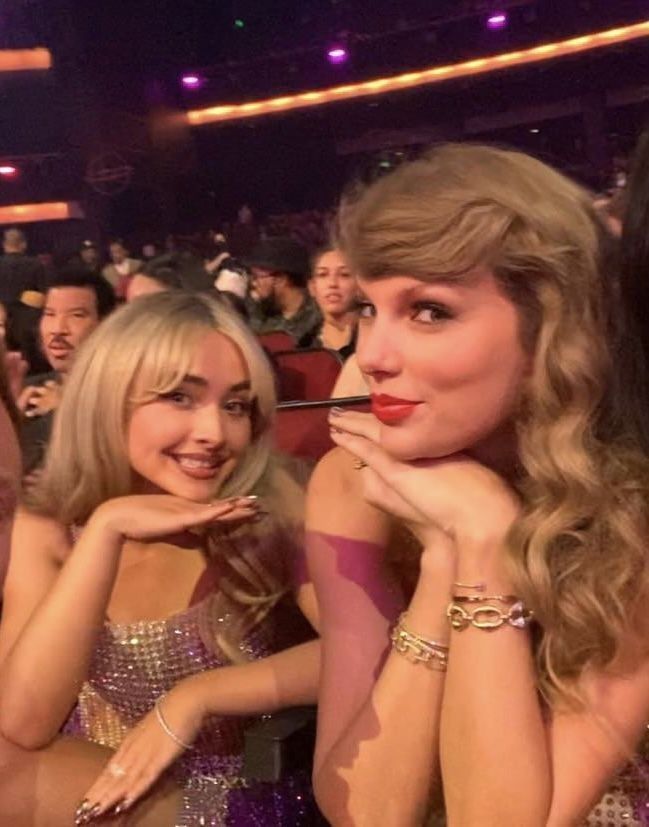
(135, 663)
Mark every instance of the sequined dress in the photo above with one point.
(136, 663)
(626, 804)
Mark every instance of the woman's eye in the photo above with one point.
(429, 313)
(238, 407)
(364, 309)
(179, 398)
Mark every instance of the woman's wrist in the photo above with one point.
(481, 560)
(102, 523)
(202, 689)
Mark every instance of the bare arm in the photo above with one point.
(54, 609)
(374, 704)
(495, 739)
(57, 599)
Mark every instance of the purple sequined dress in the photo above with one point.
(626, 804)
(136, 663)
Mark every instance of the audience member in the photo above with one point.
(172, 271)
(89, 256)
(18, 271)
(244, 234)
(522, 653)
(148, 601)
(75, 303)
(10, 465)
(228, 274)
(279, 270)
(333, 288)
(119, 272)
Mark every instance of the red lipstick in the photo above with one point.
(389, 409)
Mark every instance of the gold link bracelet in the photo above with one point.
(488, 617)
(417, 649)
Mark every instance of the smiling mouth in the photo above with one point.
(199, 468)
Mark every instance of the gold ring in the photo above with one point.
(116, 770)
(359, 465)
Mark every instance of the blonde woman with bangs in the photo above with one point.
(509, 685)
(146, 614)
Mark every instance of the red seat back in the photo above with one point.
(306, 374)
(276, 341)
(304, 432)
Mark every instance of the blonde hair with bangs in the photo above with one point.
(579, 549)
(146, 348)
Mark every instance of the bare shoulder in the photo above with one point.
(334, 469)
(336, 504)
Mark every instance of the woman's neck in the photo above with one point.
(340, 321)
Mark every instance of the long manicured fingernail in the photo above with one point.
(96, 810)
(337, 411)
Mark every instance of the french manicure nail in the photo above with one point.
(337, 411)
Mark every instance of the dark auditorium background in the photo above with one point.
(104, 127)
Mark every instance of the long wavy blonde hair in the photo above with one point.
(142, 350)
(579, 549)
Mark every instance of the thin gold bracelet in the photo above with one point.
(418, 649)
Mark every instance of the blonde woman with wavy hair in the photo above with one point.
(146, 610)
(511, 682)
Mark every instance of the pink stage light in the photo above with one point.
(8, 170)
(497, 20)
(191, 81)
(337, 54)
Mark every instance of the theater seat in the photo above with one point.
(306, 374)
(304, 431)
(279, 340)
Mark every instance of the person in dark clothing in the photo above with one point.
(171, 271)
(333, 287)
(75, 303)
(279, 269)
(19, 273)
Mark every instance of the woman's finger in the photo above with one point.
(367, 451)
(354, 422)
(107, 791)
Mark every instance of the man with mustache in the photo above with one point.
(75, 303)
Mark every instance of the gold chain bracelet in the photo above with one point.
(417, 649)
(488, 617)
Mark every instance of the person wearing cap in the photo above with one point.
(279, 270)
(89, 256)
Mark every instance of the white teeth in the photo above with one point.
(195, 463)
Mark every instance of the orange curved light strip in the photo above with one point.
(28, 213)
(436, 74)
(23, 60)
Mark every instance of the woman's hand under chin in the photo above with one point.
(158, 516)
(455, 495)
